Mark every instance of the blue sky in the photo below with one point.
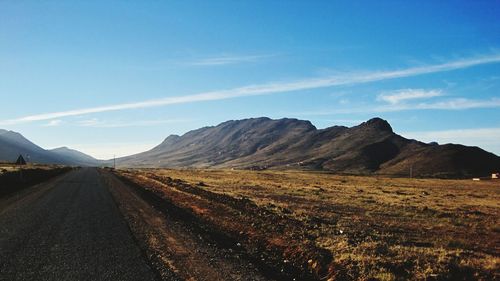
(117, 77)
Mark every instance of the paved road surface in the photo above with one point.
(68, 229)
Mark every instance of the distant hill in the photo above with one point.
(12, 144)
(76, 157)
(369, 148)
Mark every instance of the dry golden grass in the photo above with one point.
(5, 168)
(9, 167)
(375, 227)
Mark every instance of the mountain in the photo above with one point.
(12, 144)
(369, 148)
(76, 157)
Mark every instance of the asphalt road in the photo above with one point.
(68, 229)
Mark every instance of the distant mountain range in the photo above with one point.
(261, 143)
(13, 144)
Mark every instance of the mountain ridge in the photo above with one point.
(12, 144)
(371, 147)
(76, 157)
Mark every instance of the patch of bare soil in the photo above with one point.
(279, 245)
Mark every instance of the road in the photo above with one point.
(68, 229)
(89, 225)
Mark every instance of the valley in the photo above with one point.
(250, 140)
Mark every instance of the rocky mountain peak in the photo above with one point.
(378, 124)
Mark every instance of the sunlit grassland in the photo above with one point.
(376, 226)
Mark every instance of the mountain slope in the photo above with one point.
(230, 140)
(74, 156)
(12, 144)
(371, 147)
(443, 160)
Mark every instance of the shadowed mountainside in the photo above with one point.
(74, 156)
(259, 143)
(12, 144)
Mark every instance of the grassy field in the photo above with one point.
(9, 167)
(375, 228)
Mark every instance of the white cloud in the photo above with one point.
(268, 89)
(460, 104)
(53, 123)
(344, 101)
(228, 59)
(89, 122)
(449, 104)
(486, 138)
(395, 97)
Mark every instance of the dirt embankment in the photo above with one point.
(176, 249)
(279, 245)
(18, 179)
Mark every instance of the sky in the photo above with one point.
(117, 77)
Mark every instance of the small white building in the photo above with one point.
(495, 176)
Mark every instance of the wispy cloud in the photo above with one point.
(454, 104)
(96, 123)
(228, 59)
(270, 88)
(53, 123)
(89, 122)
(449, 104)
(486, 138)
(395, 97)
(344, 101)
